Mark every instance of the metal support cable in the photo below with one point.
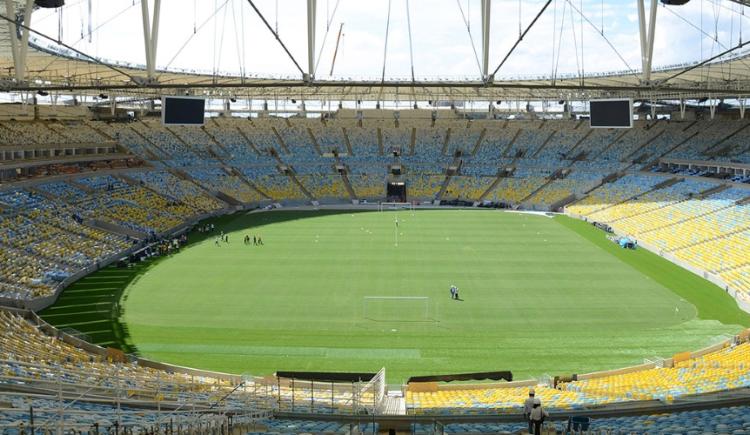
(187, 41)
(411, 52)
(471, 38)
(520, 38)
(276, 35)
(691, 24)
(96, 29)
(698, 65)
(329, 20)
(632, 71)
(92, 58)
(385, 47)
(575, 41)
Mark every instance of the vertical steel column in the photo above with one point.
(647, 35)
(311, 12)
(485, 38)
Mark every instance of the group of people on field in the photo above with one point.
(257, 241)
(222, 237)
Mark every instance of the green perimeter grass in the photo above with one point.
(540, 295)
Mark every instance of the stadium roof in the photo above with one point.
(53, 68)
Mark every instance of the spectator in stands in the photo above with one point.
(537, 416)
(528, 405)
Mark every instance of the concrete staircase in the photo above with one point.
(478, 144)
(314, 141)
(508, 147)
(380, 142)
(347, 142)
(492, 186)
(150, 154)
(216, 142)
(661, 185)
(220, 196)
(446, 141)
(299, 184)
(249, 142)
(236, 172)
(544, 144)
(348, 186)
(714, 149)
(639, 149)
(280, 140)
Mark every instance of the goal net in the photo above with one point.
(395, 206)
(399, 308)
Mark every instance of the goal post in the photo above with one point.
(395, 206)
(399, 308)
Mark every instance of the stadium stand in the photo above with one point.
(169, 185)
(715, 371)
(217, 179)
(52, 229)
(368, 186)
(96, 388)
(469, 188)
(729, 420)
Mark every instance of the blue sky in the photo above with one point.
(235, 40)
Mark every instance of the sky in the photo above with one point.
(227, 36)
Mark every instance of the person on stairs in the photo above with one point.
(537, 416)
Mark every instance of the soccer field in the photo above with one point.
(539, 296)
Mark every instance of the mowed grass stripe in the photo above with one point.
(540, 296)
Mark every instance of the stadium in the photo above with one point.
(253, 216)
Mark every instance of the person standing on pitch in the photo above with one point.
(528, 405)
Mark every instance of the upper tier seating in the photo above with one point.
(218, 179)
(615, 192)
(184, 191)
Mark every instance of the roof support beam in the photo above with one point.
(647, 34)
(24, 49)
(150, 35)
(10, 10)
(311, 11)
(19, 50)
(485, 38)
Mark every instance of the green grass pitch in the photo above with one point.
(540, 296)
